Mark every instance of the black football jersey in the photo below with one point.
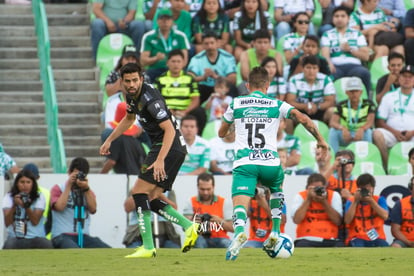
(151, 109)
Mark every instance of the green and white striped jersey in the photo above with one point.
(333, 40)
(323, 86)
(367, 20)
(256, 117)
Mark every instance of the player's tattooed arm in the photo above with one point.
(303, 119)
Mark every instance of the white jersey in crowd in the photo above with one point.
(256, 117)
(397, 110)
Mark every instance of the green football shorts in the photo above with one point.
(245, 178)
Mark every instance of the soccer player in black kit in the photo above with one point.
(163, 160)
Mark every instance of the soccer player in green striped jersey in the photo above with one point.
(256, 117)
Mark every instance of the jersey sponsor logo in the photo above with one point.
(243, 188)
(253, 112)
(259, 155)
(256, 101)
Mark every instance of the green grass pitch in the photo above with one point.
(309, 261)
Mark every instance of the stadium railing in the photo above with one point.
(54, 133)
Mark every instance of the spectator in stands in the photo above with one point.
(340, 176)
(211, 18)
(317, 212)
(126, 152)
(285, 10)
(327, 7)
(311, 92)
(69, 228)
(393, 9)
(180, 90)
(180, 16)
(218, 101)
(310, 47)
(157, 43)
(23, 210)
(353, 118)
(7, 163)
(390, 81)
(150, 9)
(247, 21)
(210, 64)
(222, 153)
(253, 57)
(277, 88)
(197, 160)
(115, 17)
(345, 49)
(395, 115)
(213, 212)
(365, 214)
(402, 220)
(409, 37)
(167, 236)
(382, 34)
(294, 40)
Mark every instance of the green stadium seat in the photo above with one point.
(239, 78)
(368, 167)
(339, 85)
(110, 48)
(405, 170)
(307, 158)
(398, 155)
(378, 69)
(139, 14)
(305, 136)
(211, 130)
(365, 151)
(409, 4)
(317, 15)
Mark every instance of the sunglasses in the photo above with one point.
(301, 22)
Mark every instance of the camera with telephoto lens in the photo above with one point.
(320, 191)
(345, 161)
(26, 200)
(364, 192)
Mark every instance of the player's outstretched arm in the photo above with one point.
(224, 128)
(125, 123)
(310, 126)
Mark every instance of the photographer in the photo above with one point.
(365, 214)
(74, 194)
(340, 176)
(402, 220)
(213, 212)
(317, 213)
(22, 209)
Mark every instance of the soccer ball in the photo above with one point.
(284, 247)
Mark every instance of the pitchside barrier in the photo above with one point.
(109, 223)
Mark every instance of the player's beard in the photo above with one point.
(135, 93)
